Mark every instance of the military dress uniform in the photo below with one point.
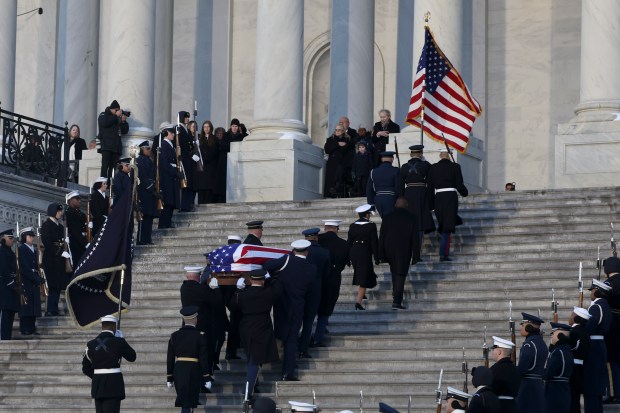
(99, 206)
(580, 346)
(506, 379)
(364, 245)
(187, 150)
(532, 358)
(54, 264)
(484, 400)
(612, 339)
(31, 282)
(413, 175)
(76, 228)
(384, 186)
(168, 183)
(9, 297)
(557, 373)
(146, 196)
(251, 238)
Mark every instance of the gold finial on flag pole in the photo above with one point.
(427, 17)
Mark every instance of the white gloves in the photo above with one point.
(196, 158)
(169, 384)
(241, 283)
(67, 240)
(213, 284)
(90, 225)
(87, 245)
(267, 276)
(65, 254)
(208, 385)
(118, 333)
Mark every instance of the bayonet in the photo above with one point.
(438, 392)
(580, 285)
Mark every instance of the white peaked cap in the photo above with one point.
(332, 223)
(582, 312)
(109, 319)
(501, 343)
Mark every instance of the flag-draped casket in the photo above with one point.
(230, 262)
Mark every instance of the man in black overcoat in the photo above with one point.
(9, 296)
(54, 257)
(112, 124)
(255, 233)
(146, 193)
(168, 177)
(382, 129)
(31, 281)
(102, 363)
(399, 245)
(296, 275)
(445, 180)
(319, 257)
(76, 227)
(99, 204)
(506, 378)
(330, 291)
(384, 185)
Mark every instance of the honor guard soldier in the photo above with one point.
(413, 175)
(364, 243)
(445, 180)
(506, 378)
(102, 363)
(595, 365)
(255, 233)
(9, 295)
(384, 185)
(193, 294)
(612, 269)
(532, 359)
(456, 400)
(319, 257)
(234, 239)
(330, 290)
(76, 227)
(168, 177)
(54, 257)
(99, 204)
(187, 150)
(580, 346)
(217, 321)
(146, 193)
(399, 245)
(296, 275)
(122, 180)
(558, 370)
(186, 362)
(484, 400)
(31, 282)
(264, 405)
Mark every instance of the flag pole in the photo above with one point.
(427, 17)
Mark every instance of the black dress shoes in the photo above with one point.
(445, 259)
(289, 378)
(398, 307)
(358, 306)
(304, 355)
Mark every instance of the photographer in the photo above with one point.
(112, 124)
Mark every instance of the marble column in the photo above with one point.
(8, 32)
(352, 62)
(162, 104)
(127, 63)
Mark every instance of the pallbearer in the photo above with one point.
(146, 193)
(532, 358)
(384, 185)
(506, 378)
(558, 370)
(31, 282)
(255, 233)
(9, 297)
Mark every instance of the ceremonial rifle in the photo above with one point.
(396, 149)
(554, 306)
(246, 400)
(68, 261)
(361, 402)
(88, 231)
(134, 192)
(438, 392)
(159, 202)
(447, 148)
(44, 286)
(513, 338)
(465, 372)
(196, 141)
(580, 286)
(181, 170)
(110, 198)
(485, 349)
(409, 405)
(614, 252)
(599, 264)
(18, 273)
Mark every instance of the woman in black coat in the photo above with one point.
(364, 245)
(223, 145)
(31, 282)
(210, 152)
(340, 150)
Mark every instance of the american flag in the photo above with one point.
(439, 91)
(242, 257)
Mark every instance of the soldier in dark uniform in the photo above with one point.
(102, 363)
(532, 358)
(612, 269)
(484, 400)
(364, 244)
(399, 245)
(319, 257)
(257, 336)
(456, 400)
(54, 257)
(217, 322)
(31, 281)
(413, 175)
(330, 290)
(384, 185)
(146, 193)
(76, 227)
(187, 151)
(445, 180)
(382, 129)
(168, 177)
(580, 346)
(187, 365)
(594, 366)
(9, 296)
(255, 233)
(558, 370)
(122, 180)
(506, 378)
(296, 275)
(99, 204)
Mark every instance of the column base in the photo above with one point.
(587, 154)
(274, 170)
(135, 137)
(279, 129)
(90, 167)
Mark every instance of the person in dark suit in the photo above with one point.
(76, 227)
(330, 289)
(580, 346)
(384, 185)
(532, 359)
(9, 296)
(187, 361)
(319, 257)
(612, 340)
(223, 148)
(445, 180)
(112, 124)
(506, 379)
(99, 204)
(257, 336)
(484, 400)
(31, 281)
(594, 366)
(146, 194)
(382, 129)
(168, 177)
(54, 256)
(340, 151)
(558, 369)
(255, 233)
(102, 363)
(296, 275)
(364, 244)
(399, 245)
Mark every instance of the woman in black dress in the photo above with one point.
(209, 152)
(364, 245)
(223, 146)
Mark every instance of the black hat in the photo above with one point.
(481, 376)
(310, 232)
(145, 144)
(255, 224)
(234, 121)
(416, 148)
(126, 161)
(264, 405)
(53, 208)
(189, 312)
(560, 326)
(257, 274)
(8, 233)
(529, 318)
(387, 154)
(115, 105)
(611, 265)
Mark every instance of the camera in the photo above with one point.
(126, 112)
